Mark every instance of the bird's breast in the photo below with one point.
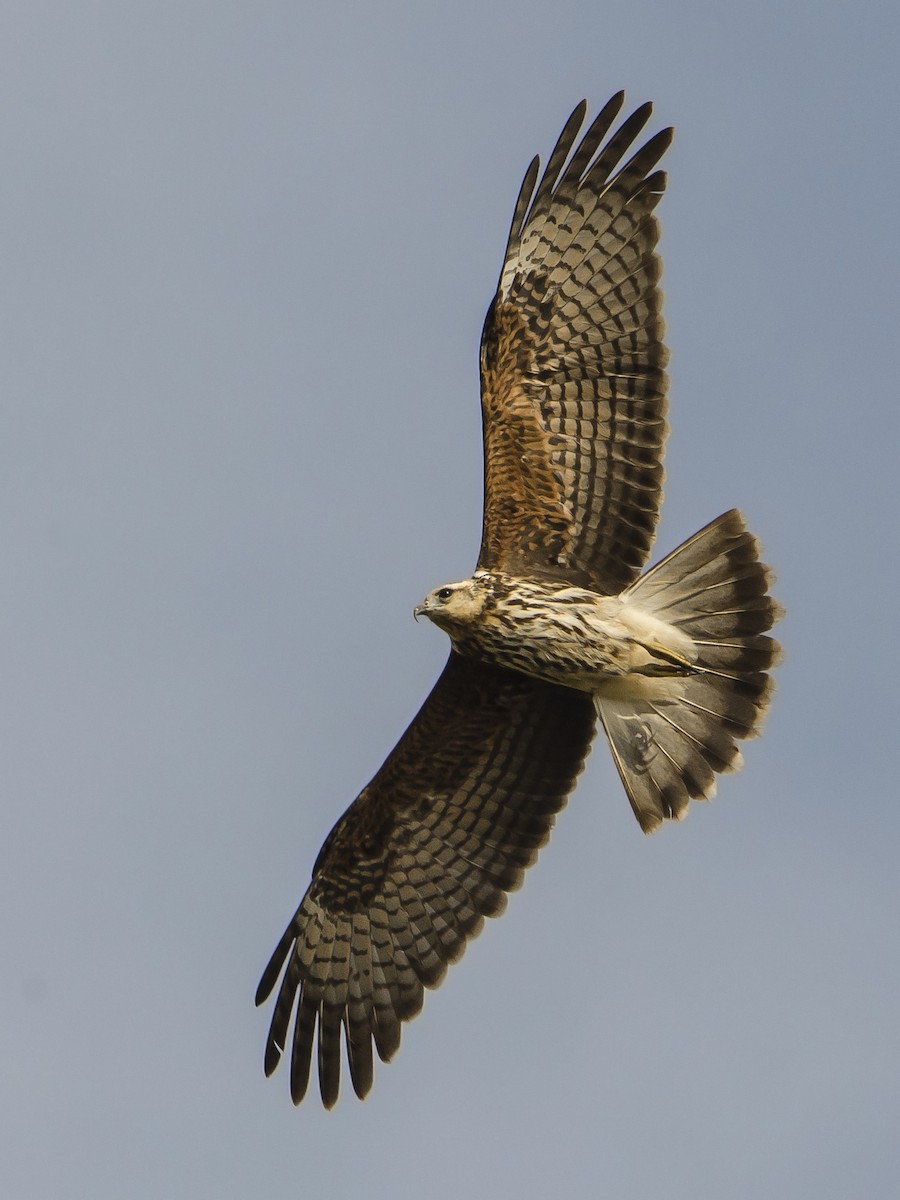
(565, 636)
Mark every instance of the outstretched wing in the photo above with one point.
(427, 851)
(573, 387)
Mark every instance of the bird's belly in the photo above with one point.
(579, 649)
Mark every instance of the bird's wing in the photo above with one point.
(431, 847)
(573, 386)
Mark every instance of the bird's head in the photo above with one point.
(455, 605)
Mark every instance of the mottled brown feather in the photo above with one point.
(445, 829)
(572, 365)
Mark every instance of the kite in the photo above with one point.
(556, 628)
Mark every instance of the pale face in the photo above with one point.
(454, 605)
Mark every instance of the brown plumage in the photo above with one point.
(555, 627)
(572, 365)
(431, 847)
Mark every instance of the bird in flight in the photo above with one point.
(556, 628)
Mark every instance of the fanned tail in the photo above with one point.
(671, 741)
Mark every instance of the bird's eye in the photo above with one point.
(445, 593)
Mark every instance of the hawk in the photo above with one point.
(556, 628)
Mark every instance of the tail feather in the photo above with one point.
(670, 746)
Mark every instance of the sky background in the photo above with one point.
(246, 254)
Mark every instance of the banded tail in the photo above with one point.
(670, 742)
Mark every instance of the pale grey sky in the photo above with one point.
(247, 253)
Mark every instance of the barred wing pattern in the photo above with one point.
(428, 850)
(572, 365)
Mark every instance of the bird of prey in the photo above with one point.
(556, 627)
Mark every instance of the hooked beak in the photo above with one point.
(419, 611)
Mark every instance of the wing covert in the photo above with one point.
(429, 849)
(572, 364)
